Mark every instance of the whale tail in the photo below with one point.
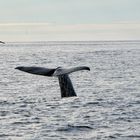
(65, 83)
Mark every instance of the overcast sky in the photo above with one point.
(43, 20)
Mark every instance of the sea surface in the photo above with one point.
(108, 103)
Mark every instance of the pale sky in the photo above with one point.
(44, 20)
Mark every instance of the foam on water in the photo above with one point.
(108, 102)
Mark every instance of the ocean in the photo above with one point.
(107, 105)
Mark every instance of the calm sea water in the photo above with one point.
(108, 102)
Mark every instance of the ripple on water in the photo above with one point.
(70, 127)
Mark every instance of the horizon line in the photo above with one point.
(117, 40)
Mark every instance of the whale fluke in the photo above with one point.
(61, 71)
(65, 83)
(37, 70)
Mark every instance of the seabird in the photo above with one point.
(2, 42)
(65, 83)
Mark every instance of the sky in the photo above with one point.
(48, 20)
